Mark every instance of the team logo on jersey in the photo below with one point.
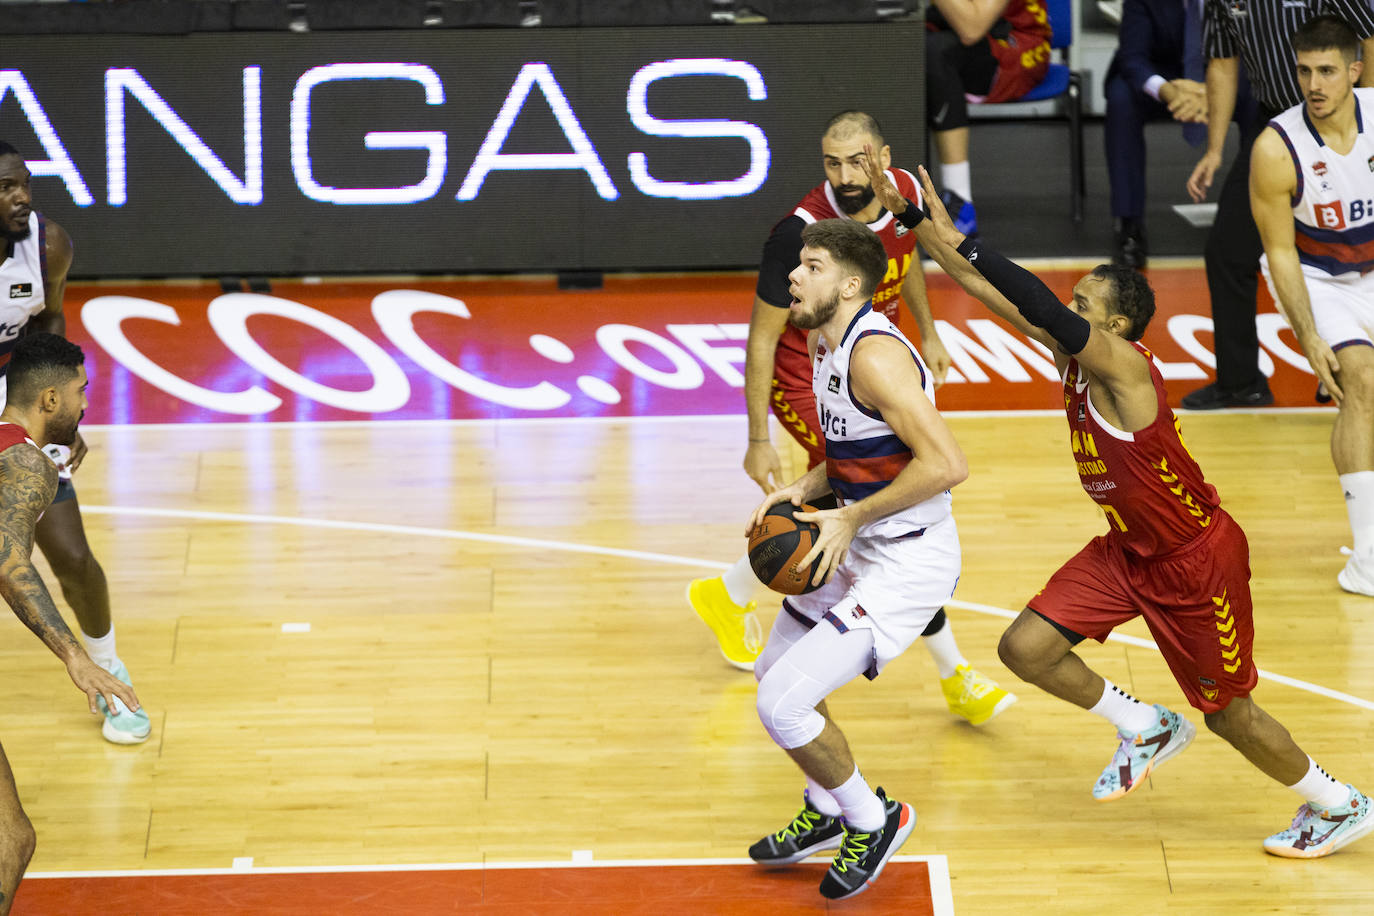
(1237, 10)
(1371, 163)
(1082, 412)
(833, 386)
(21, 290)
(858, 613)
(901, 230)
(1319, 168)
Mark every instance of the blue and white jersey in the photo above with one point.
(862, 453)
(21, 286)
(1333, 207)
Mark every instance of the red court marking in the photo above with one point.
(665, 346)
(650, 890)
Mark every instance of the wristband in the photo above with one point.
(910, 217)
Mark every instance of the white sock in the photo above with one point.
(101, 649)
(1359, 504)
(821, 799)
(944, 651)
(740, 581)
(861, 808)
(1129, 715)
(956, 177)
(1319, 790)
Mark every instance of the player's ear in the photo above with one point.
(886, 157)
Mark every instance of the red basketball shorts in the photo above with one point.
(1196, 602)
(794, 404)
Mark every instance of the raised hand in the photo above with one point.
(939, 216)
(883, 189)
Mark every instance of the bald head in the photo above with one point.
(849, 125)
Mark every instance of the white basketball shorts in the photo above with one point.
(1342, 306)
(891, 587)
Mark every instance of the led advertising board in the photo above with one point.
(446, 151)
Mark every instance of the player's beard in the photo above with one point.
(14, 235)
(820, 315)
(63, 432)
(853, 203)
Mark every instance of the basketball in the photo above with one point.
(778, 545)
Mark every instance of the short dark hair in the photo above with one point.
(40, 361)
(849, 121)
(854, 246)
(7, 150)
(1131, 296)
(1327, 33)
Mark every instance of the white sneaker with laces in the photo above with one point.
(1315, 833)
(1355, 577)
(121, 726)
(1138, 755)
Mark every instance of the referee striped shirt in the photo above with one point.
(1259, 32)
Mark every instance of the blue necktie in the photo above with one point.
(1194, 65)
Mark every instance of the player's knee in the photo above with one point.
(1232, 722)
(20, 841)
(1357, 384)
(74, 565)
(1015, 652)
(789, 723)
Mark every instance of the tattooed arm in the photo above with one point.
(28, 480)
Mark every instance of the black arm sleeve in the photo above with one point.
(1032, 298)
(781, 255)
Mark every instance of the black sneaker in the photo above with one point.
(809, 832)
(1131, 250)
(862, 855)
(1214, 397)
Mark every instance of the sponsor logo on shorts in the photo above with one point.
(21, 290)
(1209, 687)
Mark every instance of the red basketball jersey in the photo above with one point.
(792, 361)
(1151, 489)
(13, 434)
(1023, 57)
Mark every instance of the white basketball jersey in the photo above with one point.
(21, 286)
(1333, 209)
(862, 453)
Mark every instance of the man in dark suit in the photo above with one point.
(1156, 73)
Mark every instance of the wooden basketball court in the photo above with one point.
(436, 648)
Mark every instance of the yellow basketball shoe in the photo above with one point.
(737, 628)
(974, 696)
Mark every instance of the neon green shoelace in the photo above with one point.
(851, 850)
(804, 821)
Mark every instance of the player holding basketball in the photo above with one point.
(1312, 193)
(1171, 555)
(47, 395)
(38, 253)
(778, 372)
(889, 552)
